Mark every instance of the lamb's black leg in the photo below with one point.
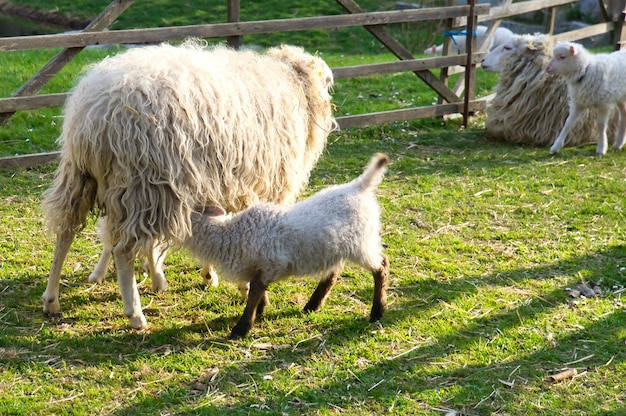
(322, 291)
(256, 295)
(265, 301)
(381, 276)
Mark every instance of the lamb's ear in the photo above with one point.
(572, 50)
(213, 211)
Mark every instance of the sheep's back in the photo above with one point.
(165, 128)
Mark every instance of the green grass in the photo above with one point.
(484, 239)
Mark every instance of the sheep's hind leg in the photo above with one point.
(603, 121)
(124, 261)
(322, 291)
(621, 133)
(255, 297)
(381, 277)
(51, 305)
(156, 256)
(209, 277)
(100, 271)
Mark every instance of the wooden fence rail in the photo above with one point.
(450, 100)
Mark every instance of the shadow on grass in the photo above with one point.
(481, 389)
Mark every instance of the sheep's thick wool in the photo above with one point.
(156, 131)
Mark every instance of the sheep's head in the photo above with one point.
(310, 67)
(530, 48)
(568, 58)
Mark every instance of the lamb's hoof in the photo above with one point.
(239, 331)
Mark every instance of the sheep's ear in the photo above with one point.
(213, 211)
(572, 50)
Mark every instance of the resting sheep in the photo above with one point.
(268, 242)
(156, 131)
(593, 81)
(530, 105)
(459, 41)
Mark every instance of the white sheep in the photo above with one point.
(459, 41)
(156, 131)
(268, 242)
(593, 81)
(530, 105)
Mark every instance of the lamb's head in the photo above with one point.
(568, 58)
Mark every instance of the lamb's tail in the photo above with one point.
(373, 174)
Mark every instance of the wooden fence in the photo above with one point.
(450, 100)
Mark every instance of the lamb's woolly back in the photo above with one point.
(593, 79)
(311, 237)
(530, 105)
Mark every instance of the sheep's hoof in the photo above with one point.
(159, 284)
(138, 322)
(51, 307)
(96, 278)
(54, 316)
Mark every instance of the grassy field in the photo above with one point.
(485, 240)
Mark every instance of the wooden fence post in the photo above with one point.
(41, 78)
(470, 67)
(234, 17)
(620, 34)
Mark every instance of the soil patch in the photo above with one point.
(53, 17)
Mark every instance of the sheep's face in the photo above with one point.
(567, 58)
(492, 62)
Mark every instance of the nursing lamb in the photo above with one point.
(268, 242)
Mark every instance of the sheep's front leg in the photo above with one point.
(51, 305)
(621, 133)
(322, 291)
(156, 256)
(256, 295)
(567, 127)
(603, 121)
(381, 277)
(124, 261)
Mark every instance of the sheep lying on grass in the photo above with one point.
(156, 131)
(459, 41)
(530, 105)
(267, 242)
(593, 81)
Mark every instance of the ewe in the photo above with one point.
(530, 105)
(593, 81)
(268, 242)
(156, 131)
